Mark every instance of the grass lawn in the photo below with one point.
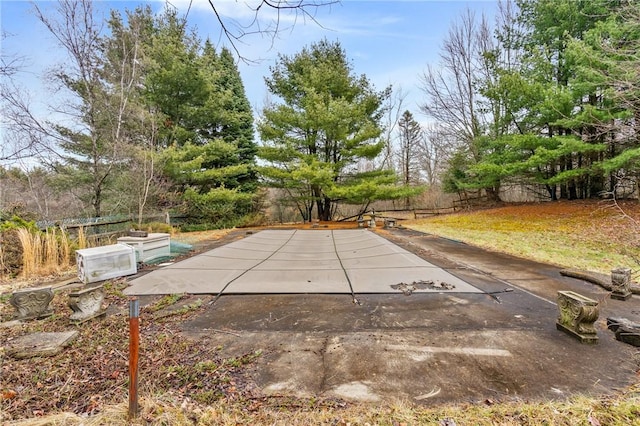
(595, 236)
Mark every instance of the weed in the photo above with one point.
(82, 239)
(243, 360)
(206, 366)
(189, 308)
(165, 301)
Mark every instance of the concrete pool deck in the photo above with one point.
(497, 341)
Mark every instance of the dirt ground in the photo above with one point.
(426, 348)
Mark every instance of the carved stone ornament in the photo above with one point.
(32, 303)
(621, 283)
(86, 304)
(577, 316)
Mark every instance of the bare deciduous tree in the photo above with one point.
(267, 18)
(451, 95)
(394, 107)
(22, 132)
(436, 148)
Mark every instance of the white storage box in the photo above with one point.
(106, 262)
(150, 247)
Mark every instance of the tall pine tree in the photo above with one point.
(328, 121)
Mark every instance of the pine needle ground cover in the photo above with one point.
(591, 235)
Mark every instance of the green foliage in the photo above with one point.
(568, 104)
(219, 208)
(17, 222)
(209, 177)
(365, 187)
(628, 159)
(146, 84)
(206, 125)
(154, 227)
(327, 123)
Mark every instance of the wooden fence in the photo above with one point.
(104, 227)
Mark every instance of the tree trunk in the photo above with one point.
(324, 209)
(493, 194)
(97, 201)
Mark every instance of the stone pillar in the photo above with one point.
(621, 283)
(577, 316)
(32, 303)
(86, 304)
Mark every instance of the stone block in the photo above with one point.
(32, 303)
(40, 344)
(625, 330)
(621, 283)
(578, 314)
(86, 304)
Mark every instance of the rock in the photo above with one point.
(40, 344)
(625, 330)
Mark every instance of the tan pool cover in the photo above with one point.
(302, 261)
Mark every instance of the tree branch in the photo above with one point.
(304, 9)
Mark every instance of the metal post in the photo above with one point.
(134, 344)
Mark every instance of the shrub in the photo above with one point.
(156, 227)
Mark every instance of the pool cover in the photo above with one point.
(302, 261)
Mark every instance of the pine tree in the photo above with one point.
(329, 120)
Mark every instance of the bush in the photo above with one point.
(155, 227)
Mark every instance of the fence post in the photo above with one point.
(134, 344)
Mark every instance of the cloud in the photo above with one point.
(253, 16)
(245, 14)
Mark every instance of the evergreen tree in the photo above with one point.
(607, 80)
(409, 157)
(237, 125)
(410, 138)
(205, 123)
(327, 123)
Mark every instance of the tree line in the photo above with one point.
(153, 118)
(543, 97)
(546, 98)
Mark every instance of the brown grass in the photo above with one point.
(82, 239)
(43, 253)
(591, 235)
(622, 409)
(31, 251)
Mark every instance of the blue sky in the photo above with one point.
(392, 42)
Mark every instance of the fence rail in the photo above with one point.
(104, 226)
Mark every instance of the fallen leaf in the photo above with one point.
(9, 394)
(593, 421)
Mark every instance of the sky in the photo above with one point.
(391, 42)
